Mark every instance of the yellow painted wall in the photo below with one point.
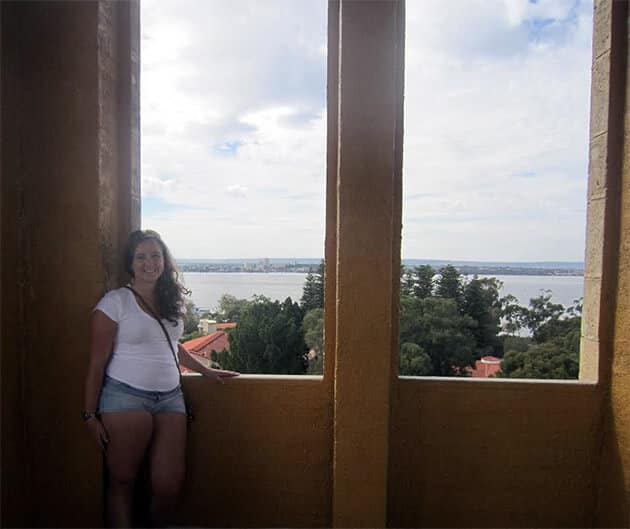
(613, 500)
(461, 453)
(262, 451)
(48, 250)
(259, 453)
(493, 454)
(60, 222)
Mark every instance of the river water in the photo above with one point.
(208, 287)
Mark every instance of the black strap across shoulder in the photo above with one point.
(148, 309)
(152, 313)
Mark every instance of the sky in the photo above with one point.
(496, 128)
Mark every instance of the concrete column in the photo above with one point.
(371, 38)
(65, 188)
(605, 159)
(608, 233)
(330, 248)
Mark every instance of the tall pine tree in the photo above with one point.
(448, 284)
(313, 290)
(423, 287)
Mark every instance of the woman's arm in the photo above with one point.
(189, 361)
(103, 331)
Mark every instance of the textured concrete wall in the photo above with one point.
(492, 454)
(60, 167)
(259, 453)
(540, 454)
(610, 70)
(605, 152)
(48, 102)
(368, 102)
(358, 447)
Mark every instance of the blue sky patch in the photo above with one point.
(299, 119)
(542, 29)
(228, 148)
(152, 205)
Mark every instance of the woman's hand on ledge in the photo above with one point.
(217, 375)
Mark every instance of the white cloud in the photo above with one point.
(496, 130)
(237, 191)
(496, 110)
(233, 97)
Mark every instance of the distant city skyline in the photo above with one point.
(409, 260)
(496, 128)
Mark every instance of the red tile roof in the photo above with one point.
(486, 367)
(203, 346)
(217, 341)
(222, 326)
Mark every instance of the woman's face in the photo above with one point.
(148, 261)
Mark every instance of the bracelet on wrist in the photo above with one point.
(87, 415)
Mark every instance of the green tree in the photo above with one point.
(313, 290)
(555, 345)
(230, 308)
(512, 315)
(407, 281)
(576, 308)
(516, 343)
(541, 312)
(313, 325)
(423, 284)
(566, 327)
(480, 301)
(190, 317)
(560, 328)
(414, 361)
(547, 360)
(268, 339)
(441, 331)
(320, 284)
(449, 284)
(309, 289)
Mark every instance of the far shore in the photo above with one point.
(305, 269)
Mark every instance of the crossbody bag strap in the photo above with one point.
(189, 413)
(148, 308)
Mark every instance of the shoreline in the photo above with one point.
(486, 272)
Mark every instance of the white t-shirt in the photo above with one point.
(141, 356)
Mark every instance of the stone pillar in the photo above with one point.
(65, 202)
(368, 233)
(607, 323)
(605, 158)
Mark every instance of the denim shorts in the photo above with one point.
(118, 396)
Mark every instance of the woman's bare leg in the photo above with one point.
(129, 434)
(168, 463)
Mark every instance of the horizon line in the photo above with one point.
(298, 259)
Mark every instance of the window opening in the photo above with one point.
(233, 173)
(495, 177)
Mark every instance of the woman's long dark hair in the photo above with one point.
(169, 290)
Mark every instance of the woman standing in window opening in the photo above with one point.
(134, 405)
